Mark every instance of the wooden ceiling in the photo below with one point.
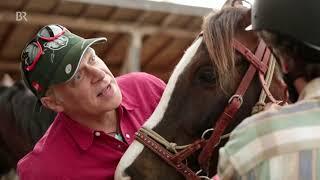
(166, 30)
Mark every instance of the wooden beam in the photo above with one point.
(147, 5)
(142, 17)
(94, 24)
(165, 23)
(168, 20)
(9, 67)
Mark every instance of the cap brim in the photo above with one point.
(71, 61)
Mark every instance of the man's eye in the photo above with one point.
(93, 59)
(77, 76)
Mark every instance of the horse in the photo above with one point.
(21, 127)
(200, 87)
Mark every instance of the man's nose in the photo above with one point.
(96, 74)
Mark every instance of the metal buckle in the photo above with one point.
(203, 177)
(239, 97)
(205, 132)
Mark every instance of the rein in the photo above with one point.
(175, 155)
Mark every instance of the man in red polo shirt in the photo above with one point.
(97, 113)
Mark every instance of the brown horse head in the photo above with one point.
(197, 93)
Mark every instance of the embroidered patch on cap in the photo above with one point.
(68, 68)
(57, 44)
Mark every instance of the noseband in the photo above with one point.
(176, 155)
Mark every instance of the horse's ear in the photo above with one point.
(228, 3)
(237, 3)
(7, 80)
(232, 3)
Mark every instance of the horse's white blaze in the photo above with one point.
(159, 111)
(129, 156)
(136, 148)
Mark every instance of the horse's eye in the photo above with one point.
(206, 75)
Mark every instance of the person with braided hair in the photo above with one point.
(282, 142)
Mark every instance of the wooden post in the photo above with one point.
(40, 19)
(132, 64)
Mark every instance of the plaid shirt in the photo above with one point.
(279, 144)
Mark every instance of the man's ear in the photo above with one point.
(52, 103)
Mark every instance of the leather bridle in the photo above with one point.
(259, 63)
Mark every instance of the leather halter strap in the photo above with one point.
(174, 160)
(258, 62)
(253, 58)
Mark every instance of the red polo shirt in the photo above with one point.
(69, 150)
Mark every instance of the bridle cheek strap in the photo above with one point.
(259, 62)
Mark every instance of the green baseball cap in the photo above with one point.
(52, 57)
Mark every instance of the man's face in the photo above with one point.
(92, 90)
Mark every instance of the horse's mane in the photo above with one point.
(218, 30)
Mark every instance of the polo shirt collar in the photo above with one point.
(83, 135)
(128, 103)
